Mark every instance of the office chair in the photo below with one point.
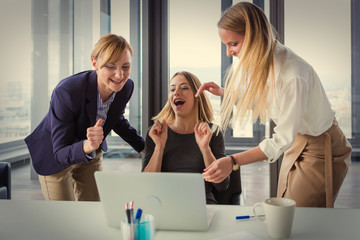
(5, 180)
(232, 194)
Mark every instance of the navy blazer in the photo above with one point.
(57, 142)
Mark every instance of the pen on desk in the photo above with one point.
(138, 215)
(247, 217)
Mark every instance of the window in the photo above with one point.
(194, 43)
(125, 21)
(323, 39)
(15, 65)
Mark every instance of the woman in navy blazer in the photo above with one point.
(66, 148)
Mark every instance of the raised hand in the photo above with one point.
(203, 135)
(212, 88)
(158, 133)
(95, 136)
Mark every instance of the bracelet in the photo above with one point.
(235, 165)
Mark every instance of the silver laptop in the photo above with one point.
(176, 200)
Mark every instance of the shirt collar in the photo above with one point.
(110, 99)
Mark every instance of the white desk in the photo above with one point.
(40, 220)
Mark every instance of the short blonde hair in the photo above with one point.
(246, 82)
(110, 47)
(204, 113)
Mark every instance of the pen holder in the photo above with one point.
(144, 230)
(128, 230)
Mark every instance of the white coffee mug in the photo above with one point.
(279, 215)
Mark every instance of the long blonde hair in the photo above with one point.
(246, 82)
(204, 110)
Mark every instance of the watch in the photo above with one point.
(235, 165)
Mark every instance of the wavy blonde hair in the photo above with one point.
(204, 110)
(246, 82)
(111, 47)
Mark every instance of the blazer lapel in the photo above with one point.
(91, 98)
(118, 105)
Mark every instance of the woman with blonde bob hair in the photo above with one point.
(271, 80)
(182, 139)
(66, 148)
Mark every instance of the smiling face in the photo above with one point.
(232, 40)
(181, 97)
(112, 76)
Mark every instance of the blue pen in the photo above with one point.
(247, 217)
(138, 215)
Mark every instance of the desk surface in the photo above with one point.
(30, 220)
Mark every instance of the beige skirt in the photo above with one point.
(314, 168)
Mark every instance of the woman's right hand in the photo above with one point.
(158, 133)
(95, 136)
(218, 170)
(211, 87)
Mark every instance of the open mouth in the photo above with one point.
(179, 102)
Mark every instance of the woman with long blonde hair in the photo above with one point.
(270, 80)
(183, 139)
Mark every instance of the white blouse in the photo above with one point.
(298, 104)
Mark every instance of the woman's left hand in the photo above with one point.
(218, 170)
(202, 135)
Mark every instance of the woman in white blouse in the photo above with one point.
(269, 78)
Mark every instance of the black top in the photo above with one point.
(182, 154)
